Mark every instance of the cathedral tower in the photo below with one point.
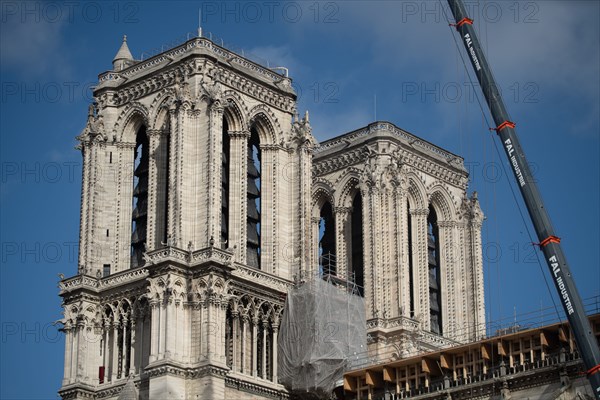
(205, 198)
(195, 195)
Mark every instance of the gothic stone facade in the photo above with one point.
(204, 197)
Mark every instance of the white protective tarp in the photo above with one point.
(323, 327)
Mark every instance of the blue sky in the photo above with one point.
(545, 55)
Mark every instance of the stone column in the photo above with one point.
(342, 232)
(368, 262)
(85, 193)
(267, 208)
(177, 182)
(304, 196)
(124, 349)
(68, 354)
(315, 264)
(187, 334)
(221, 317)
(132, 360)
(448, 280)
(376, 265)
(238, 143)
(76, 372)
(179, 330)
(142, 344)
(209, 333)
(403, 248)
(166, 327)
(122, 238)
(92, 169)
(152, 211)
(254, 348)
(386, 249)
(162, 329)
(105, 349)
(201, 354)
(478, 283)
(275, 351)
(243, 349)
(115, 351)
(265, 327)
(154, 330)
(420, 266)
(234, 339)
(214, 170)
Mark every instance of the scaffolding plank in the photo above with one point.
(389, 374)
(374, 378)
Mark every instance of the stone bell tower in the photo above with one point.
(205, 198)
(195, 215)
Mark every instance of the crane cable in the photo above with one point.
(502, 164)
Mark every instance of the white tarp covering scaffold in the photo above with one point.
(323, 327)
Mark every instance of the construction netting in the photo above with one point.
(322, 329)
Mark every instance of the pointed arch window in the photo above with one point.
(139, 216)
(327, 255)
(356, 231)
(225, 166)
(253, 200)
(433, 249)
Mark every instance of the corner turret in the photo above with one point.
(123, 59)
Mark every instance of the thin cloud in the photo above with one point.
(276, 56)
(33, 48)
(526, 43)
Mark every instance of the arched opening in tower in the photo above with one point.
(140, 198)
(253, 200)
(357, 262)
(433, 252)
(327, 254)
(225, 165)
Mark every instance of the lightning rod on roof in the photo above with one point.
(199, 22)
(375, 107)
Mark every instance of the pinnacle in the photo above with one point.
(123, 53)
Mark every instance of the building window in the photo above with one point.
(357, 262)
(253, 201)
(327, 256)
(225, 162)
(106, 270)
(140, 198)
(433, 251)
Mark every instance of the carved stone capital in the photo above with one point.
(269, 147)
(419, 212)
(239, 134)
(155, 132)
(125, 145)
(217, 109)
(446, 224)
(342, 210)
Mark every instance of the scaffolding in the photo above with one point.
(323, 327)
